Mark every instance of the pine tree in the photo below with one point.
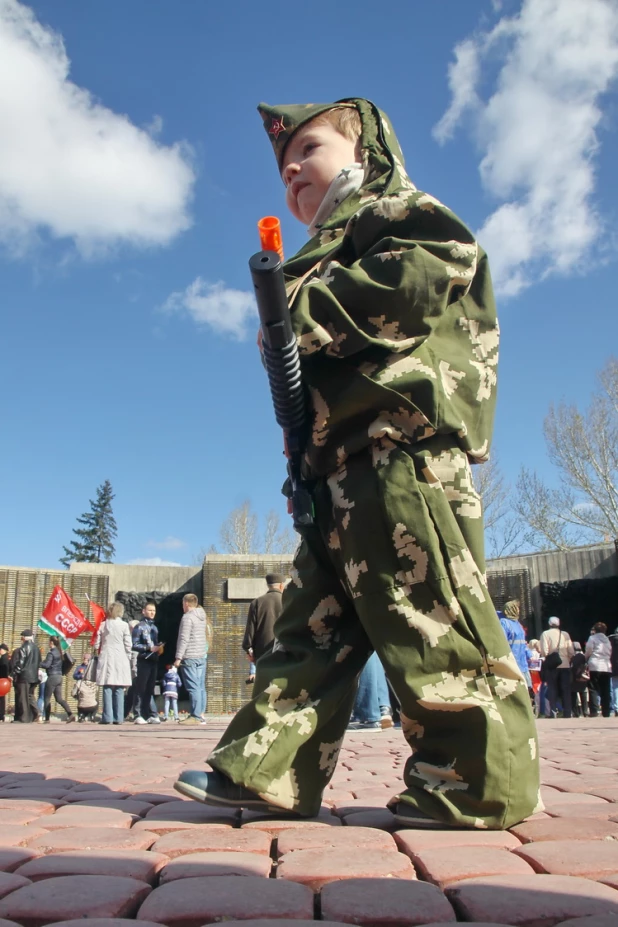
(94, 541)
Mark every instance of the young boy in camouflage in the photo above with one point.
(392, 305)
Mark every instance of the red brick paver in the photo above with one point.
(384, 903)
(91, 778)
(12, 858)
(449, 864)
(194, 865)
(135, 864)
(591, 859)
(528, 901)
(91, 838)
(341, 838)
(194, 902)
(10, 882)
(70, 896)
(215, 839)
(572, 828)
(317, 867)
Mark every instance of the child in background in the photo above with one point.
(80, 672)
(86, 692)
(170, 692)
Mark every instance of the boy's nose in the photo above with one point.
(289, 172)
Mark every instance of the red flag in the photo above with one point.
(98, 613)
(62, 617)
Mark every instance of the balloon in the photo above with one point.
(5, 686)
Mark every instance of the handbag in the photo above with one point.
(67, 663)
(553, 659)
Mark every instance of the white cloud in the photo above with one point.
(463, 77)
(152, 561)
(226, 311)
(537, 127)
(169, 543)
(69, 166)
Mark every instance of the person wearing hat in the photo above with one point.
(558, 677)
(26, 663)
(263, 612)
(392, 307)
(5, 672)
(194, 638)
(516, 636)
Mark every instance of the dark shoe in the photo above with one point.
(70, 718)
(410, 816)
(118, 722)
(365, 726)
(213, 788)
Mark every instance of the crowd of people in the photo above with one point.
(565, 680)
(123, 667)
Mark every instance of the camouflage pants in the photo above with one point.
(394, 563)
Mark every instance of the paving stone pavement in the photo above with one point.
(90, 827)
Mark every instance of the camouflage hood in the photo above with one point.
(392, 307)
(382, 161)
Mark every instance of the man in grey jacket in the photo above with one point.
(194, 639)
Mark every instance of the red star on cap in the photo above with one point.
(277, 127)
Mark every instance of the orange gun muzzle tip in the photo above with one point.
(269, 229)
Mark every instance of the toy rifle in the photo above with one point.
(282, 361)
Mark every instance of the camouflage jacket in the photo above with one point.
(393, 310)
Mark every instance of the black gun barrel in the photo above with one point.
(279, 346)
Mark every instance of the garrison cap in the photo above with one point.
(280, 122)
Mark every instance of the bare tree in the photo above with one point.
(278, 540)
(239, 534)
(203, 552)
(583, 446)
(239, 531)
(504, 530)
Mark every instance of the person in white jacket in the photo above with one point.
(559, 679)
(599, 654)
(194, 639)
(113, 644)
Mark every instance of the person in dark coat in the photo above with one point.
(613, 639)
(52, 664)
(263, 612)
(26, 663)
(5, 672)
(580, 682)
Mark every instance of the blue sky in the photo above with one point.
(133, 169)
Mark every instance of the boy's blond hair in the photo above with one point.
(345, 119)
(190, 599)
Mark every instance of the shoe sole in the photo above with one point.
(422, 823)
(426, 823)
(251, 805)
